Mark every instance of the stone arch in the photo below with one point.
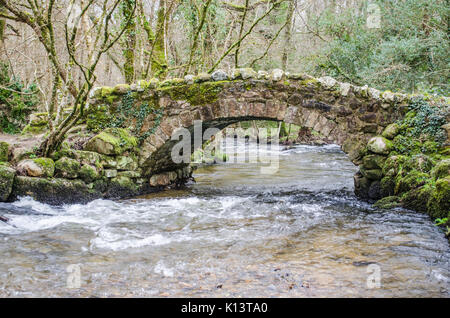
(346, 114)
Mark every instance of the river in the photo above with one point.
(299, 232)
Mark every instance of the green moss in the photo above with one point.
(112, 141)
(393, 164)
(417, 199)
(374, 161)
(34, 130)
(88, 173)
(310, 82)
(197, 93)
(4, 151)
(441, 169)
(387, 186)
(172, 82)
(106, 91)
(389, 202)
(67, 168)
(439, 203)
(121, 89)
(6, 182)
(412, 180)
(372, 174)
(98, 118)
(47, 165)
(419, 162)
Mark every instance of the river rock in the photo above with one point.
(163, 179)
(380, 145)
(374, 190)
(219, 75)
(67, 168)
(7, 175)
(40, 167)
(53, 191)
(112, 141)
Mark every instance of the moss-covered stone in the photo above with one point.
(389, 202)
(362, 185)
(372, 174)
(373, 161)
(39, 167)
(98, 118)
(380, 145)
(393, 164)
(89, 158)
(126, 163)
(67, 168)
(441, 169)
(419, 162)
(417, 199)
(391, 131)
(53, 191)
(412, 180)
(439, 202)
(387, 186)
(196, 94)
(89, 173)
(7, 176)
(121, 186)
(64, 151)
(121, 89)
(4, 151)
(112, 141)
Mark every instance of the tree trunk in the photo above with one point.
(288, 35)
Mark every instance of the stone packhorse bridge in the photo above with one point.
(346, 114)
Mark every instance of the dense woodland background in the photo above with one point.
(53, 52)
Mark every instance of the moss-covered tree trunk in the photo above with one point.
(288, 34)
(130, 40)
(158, 54)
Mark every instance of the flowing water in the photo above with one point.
(235, 232)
